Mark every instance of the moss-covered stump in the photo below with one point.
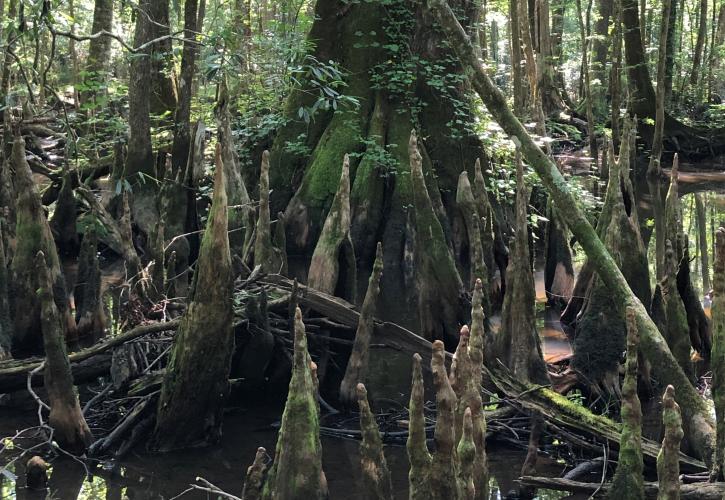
(297, 469)
(439, 285)
(6, 320)
(90, 312)
(717, 360)
(241, 214)
(376, 475)
(63, 224)
(418, 455)
(334, 255)
(668, 463)
(196, 382)
(69, 427)
(33, 235)
(357, 365)
(628, 479)
(254, 481)
(266, 254)
(517, 343)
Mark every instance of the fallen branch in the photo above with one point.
(699, 491)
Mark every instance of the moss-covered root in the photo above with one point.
(357, 365)
(477, 268)
(439, 285)
(254, 481)
(668, 462)
(628, 478)
(297, 469)
(717, 359)
(517, 343)
(33, 234)
(265, 253)
(196, 381)
(6, 322)
(90, 313)
(418, 455)
(69, 427)
(335, 245)
(466, 457)
(444, 467)
(242, 213)
(376, 476)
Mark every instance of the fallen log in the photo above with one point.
(699, 491)
(14, 373)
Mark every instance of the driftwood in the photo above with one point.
(696, 491)
(86, 364)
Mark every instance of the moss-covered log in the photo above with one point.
(334, 255)
(87, 293)
(517, 343)
(628, 478)
(357, 365)
(376, 475)
(297, 469)
(69, 427)
(33, 235)
(196, 382)
(653, 346)
(717, 360)
(266, 254)
(254, 481)
(668, 464)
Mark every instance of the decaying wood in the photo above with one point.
(668, 465)
(356, 370)
(297, 468)
(196, 384)
(66, 419)
(334, 245)
(376, 475)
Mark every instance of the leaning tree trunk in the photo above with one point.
(360, 38)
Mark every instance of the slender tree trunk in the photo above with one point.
(701, 35)
(600, 50)
(702, 238)
(99, 50)
(163, 86)
(654, 168)
(516, 58)
(182, 125)
(583, 30)
(671, 38)
(7, 61)
(615, 79)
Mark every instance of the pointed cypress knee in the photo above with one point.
(356, 370)
(334, 245)
(6, 321)
(66, 419)
(476, 353)
(488, 229)
(444, 467)
(90, 313)
(376, 476)
(297, 469)
(467, 207)
(668, 459)
(33, 234)
(265, 253)
(466, 455)
(254, 481)
(717, 359)
(418, 455)
(196, 382)
(628, 478)
(439, 285)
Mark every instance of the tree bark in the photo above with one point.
(702, 240)
(700, 44)
(163, 85)
(654, 168)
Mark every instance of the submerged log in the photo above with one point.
(668, 465)
(297, 468)
(628, 478)
(357, 365)
(265, 253)
(335, 246)
(697, 491)
(717, 360)
(439, 285)
(66, 419)
(33, 235)
(376, 475)
(196, 382)
(254, 481)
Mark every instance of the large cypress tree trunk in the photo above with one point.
(394, 65)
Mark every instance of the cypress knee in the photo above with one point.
(668, 459)
(376, 475)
